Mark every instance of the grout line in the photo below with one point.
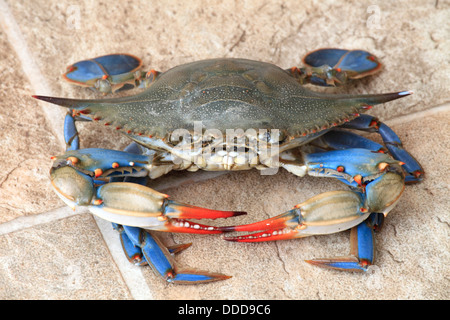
(133, 277)
(25, 222)
(30, 67)
(420, 114)
(131, 274)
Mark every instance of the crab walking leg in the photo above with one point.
(362, 248)
(342, 140)
(110, 73)
(71, 133)
(144, 248)
(392, 142)
(335, 67)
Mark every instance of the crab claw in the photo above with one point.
(132, 204)
(325, 213)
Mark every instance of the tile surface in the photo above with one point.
(46, 253)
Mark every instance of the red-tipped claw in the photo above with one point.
(282, 227)
(177, 213)
(185, 211)
(184, 226)
(325, 213)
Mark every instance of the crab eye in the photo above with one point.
(274, 136)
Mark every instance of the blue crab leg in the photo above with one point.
(143, 248)
(342, 140)
(71, 133)
(393, 143)
(110, 73)
(332, 67)
(362, 248)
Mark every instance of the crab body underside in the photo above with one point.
(232, 114)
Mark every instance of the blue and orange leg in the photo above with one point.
(333, 67)
(362, 247)
(415, 172)
(142, 248)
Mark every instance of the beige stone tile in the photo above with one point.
(26, 144)
(65, 259)
(412, 249)
(412, 43)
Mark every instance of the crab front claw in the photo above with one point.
(131, 204)
(332, 212)
(325, 213)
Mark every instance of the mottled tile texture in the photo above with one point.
(68, 258)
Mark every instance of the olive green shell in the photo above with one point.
(225, 94)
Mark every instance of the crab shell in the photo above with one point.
(225, 94)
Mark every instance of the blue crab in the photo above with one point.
(232, 114)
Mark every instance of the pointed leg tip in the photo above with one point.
(179, 247)
(196, 277)
(405, 93)
(351, 264)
